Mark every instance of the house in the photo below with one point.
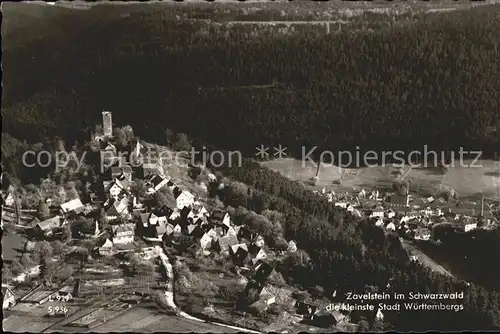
(9, 299)
(257, 253)
(222, 244)
(74, 206)
(341, 204)
(391, 226)
(422, 234)
(262, 271)
(184, 199)
(155, 183)
(470, 226)
(212, 233)
(400, 200)
(187, 214)
(123, 234)
(106, 249)
(362, 193)
(169, 229)
(200, 220)
(144, 218)
(47, 226)
(220, 217)
(374, 194)
(121, 173)
(161, 229)
(164, 211)
(379, 222)
(292, 247)
(200, 211)
(8, 199)
(259, 241)
(117, 209)
(377, 213)
(239, 253)
(175, 215)
(177, 230)
(205, 241)
(390, 213)
(195, 231)
(243, 232)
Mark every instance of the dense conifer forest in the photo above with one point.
(249, 85)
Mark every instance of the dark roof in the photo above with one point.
(264, 269)
(164, 211)
(156, 180)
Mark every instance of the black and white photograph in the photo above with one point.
(250, 166)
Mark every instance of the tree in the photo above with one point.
(44, 249)
(46, 268)
(43, 210)
(182, 142)
(169, 137)
(120, 137)
(66, 233)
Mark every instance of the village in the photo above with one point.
(103, 255)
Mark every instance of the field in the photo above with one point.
(150, 320)
(12, 246)
(468, 182)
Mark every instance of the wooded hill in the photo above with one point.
(432, 81)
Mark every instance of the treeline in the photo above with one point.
(245, 86)
(352, 254)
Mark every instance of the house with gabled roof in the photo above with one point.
(199, 210)
(184, 199)
(117, 209)
(9, 298)
(195, 231)
(164, 211)
(160, 229)
(106, 248)
(222, 244)
(220, 217)
(187, 214)
(155, 183)
(259, 241)
(177, 230)
(73, 206)
(115, 189)
(239, 252)
(205, 241)
(123, 233)
(48, 226)
(121, 173)
(262, 271)
(8, 199)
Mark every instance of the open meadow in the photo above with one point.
(468, 182)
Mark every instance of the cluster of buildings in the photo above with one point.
(411, 216)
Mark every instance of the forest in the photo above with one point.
(243, 86)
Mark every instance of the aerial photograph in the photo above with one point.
(250, 166)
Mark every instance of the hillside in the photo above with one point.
(372, 83)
